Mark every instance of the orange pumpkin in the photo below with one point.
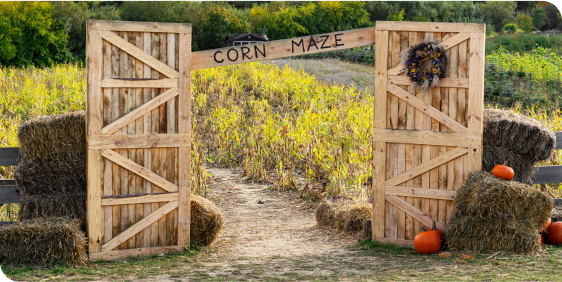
(542, 239)
(546, 226)
(555, 233)
(504, 172)
(429, 241)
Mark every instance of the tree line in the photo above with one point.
(43, 33)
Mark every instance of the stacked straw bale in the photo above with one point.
(52, 173)
(491, 214)
(346, 217)
(206, 221)
(517, 141)
(43, 241)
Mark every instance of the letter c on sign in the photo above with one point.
(215, 57)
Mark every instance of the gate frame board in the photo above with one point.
(464, 142)
(101, 143)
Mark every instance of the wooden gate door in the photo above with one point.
(424, 143)
(138, 134)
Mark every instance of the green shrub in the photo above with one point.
(510, 28)
(29, 35)
(524, 22)
(219, 23)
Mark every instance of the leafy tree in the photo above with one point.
(194, 13)
(552, 17)
(499, 13)
(397, 17)
(74, 15)
(29, 35)
(219, 23)
(539, 17)
(525, 7)
(524, 22)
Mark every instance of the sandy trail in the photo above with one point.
(262, 223)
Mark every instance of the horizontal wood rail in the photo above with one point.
(10, 156)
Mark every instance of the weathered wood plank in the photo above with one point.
(139, 199)
(184, 126)
(10, 156)
(430, 27)
(410, 125)
(137, 141)
(139, 127)
(426, 137)
(147, 126)
(417, 214)
(140, 111)
(476, 96)
(149, 251)
(139, 54)
(139, 26)
(427, 109)
(108, 166)
(94, 106)
(426, 166)
(379, 148)
(140, 83)
(443, 82)
(396, 242)
(139, 170)
(9, 194)
(547, 174)
(420, 192)
(283, 48)
(135, 228)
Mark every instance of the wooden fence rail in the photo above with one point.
(9, 192)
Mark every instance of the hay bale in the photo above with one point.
(43, 241)
(72, 206)
(48, 176)
(206, 221)
(521, 135)
(523, 168)
(486, 196)
(54, 137)
(326, 214)
(353, 218)
(478, 234)
(367, 232)
(344, 216)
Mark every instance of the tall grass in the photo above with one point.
(267, 118)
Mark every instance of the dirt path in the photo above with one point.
(270, 235)
(265, 224)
